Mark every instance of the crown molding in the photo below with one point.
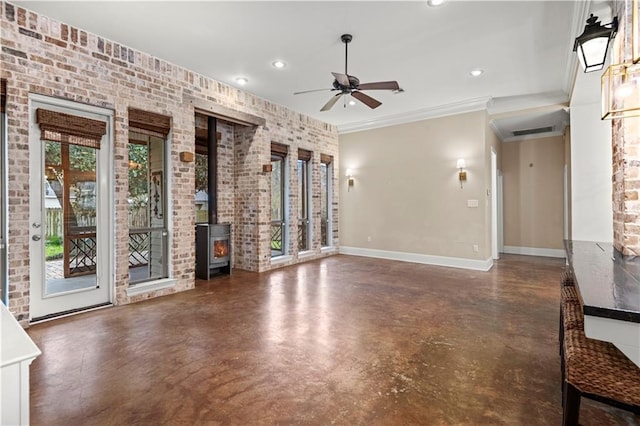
(454, 108)
(511, 105)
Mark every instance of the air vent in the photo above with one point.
(533, 131)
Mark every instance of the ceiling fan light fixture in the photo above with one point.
(279, 64)
(242, 81)
(346, 84)
(476, 72)
(352, 102)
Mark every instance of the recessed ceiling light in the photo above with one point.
(476, 73)
(434, 3)
(352, 103)
(279, 64)
(242, 81)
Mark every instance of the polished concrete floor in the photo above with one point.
(343, 340)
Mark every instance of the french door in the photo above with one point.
(71, 217)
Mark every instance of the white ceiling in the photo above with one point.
(524, 47)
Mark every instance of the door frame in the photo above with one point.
(105, 273)
(4, 232)
(495, 252)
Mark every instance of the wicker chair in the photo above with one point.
(592, 368)
(597, 370)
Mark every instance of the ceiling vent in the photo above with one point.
(533, 131)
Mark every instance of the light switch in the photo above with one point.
(472, 203)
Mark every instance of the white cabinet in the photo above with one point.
(17, 351)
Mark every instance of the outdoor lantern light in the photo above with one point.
(593, 43)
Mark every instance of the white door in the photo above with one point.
(71, 216)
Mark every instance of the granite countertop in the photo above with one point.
(608, 283)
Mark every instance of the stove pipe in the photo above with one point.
(212, 169)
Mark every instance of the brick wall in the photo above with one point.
(626, 155)
(44, 56)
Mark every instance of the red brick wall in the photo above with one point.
(44, 56)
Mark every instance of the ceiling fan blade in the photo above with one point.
(341, 78)
(379, 85)
(366, 99)
(309, 91)
(331, 102)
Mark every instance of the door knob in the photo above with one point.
(36, 237)
(35, 225)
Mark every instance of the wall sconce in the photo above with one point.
(187, 157)
(349, 174)
(462, 173)
(593, 43)
(621, 91)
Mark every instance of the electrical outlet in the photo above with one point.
(476, 248)
(369, 238)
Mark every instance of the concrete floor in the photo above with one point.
(343, 340)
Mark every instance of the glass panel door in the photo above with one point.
(303, 205)
(277, 206)
(70, 217)
(325, 203)
(71, 240)
(148, 244)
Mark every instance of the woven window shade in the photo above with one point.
(326, 159)
(149, 123)
(304, 155)
(70, 129)
(3, 95)
(279, 149)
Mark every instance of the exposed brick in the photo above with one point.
(14, 52)
(30, 33)
(103, 73)
(99, 56)
(22, 17)
(9, 11)
(59, 43)
(625, 162)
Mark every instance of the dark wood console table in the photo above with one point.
(609, 289)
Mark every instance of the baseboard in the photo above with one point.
(452, 262)
(534, 251)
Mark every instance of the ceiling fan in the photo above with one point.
(350, 85)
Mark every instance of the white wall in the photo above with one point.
(591, 169)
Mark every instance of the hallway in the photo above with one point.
(344, 340)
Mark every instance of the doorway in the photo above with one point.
(70, 207)
(495, 215)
